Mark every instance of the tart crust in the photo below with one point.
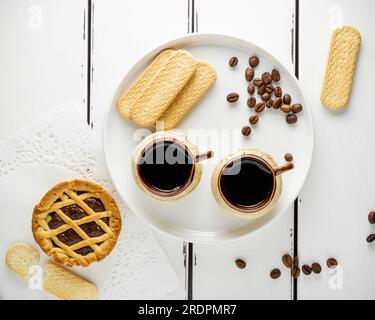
(65, 194)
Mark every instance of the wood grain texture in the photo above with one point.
(41, 59)
(338, 194)
(123, 32)
(215, 274)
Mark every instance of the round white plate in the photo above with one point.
(22, 190)
(197, 217)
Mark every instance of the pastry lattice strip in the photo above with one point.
(92, 216)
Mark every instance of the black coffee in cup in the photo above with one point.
(247, 183)
(166, 167)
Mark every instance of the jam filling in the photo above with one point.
(75, 212)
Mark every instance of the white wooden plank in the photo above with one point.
(41, 58)
(339, 192)
(215, 273)
(122, 32)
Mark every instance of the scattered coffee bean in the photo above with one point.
(278, 92)
(254, 61)
(269, 103)
(262, 90)
(249, 74)
(297, 108)
(258, 82)
(276, 77)
(316, 268)
(287, 108)
(287, 99)
(370, 238)
(240, 264)
(287, 260)
(260, 107)
(275, 274)
(254, 120)
(246, 131)
(291, 119)
(251, 102)
(296, 272)
(233, 97)
(267, 78)
(251, 89)
(332, 263)
(277, 103)
(233, 62)
(371, 217)
(307, 270)
(270, 88)
(266, 97)
(288, 157)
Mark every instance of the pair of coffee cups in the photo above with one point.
(246, 183)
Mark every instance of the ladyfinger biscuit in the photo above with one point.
(20, 257)
(131, 95)
(201, 81)
(340, 69)
(67, 285)
(163, 89)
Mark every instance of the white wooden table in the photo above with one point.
(52, 51)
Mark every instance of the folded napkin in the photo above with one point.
(62, 138)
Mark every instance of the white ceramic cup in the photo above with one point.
(175, 140)
(266, 162)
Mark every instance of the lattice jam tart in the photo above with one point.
(76, 222)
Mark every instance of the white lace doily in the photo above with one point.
(62, 138)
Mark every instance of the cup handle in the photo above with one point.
(284, 168)
(204, 156)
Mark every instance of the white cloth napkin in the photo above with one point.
(62, 138)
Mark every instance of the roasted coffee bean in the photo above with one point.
(262, 90)
(297, 108)
(287, 260)
(316, 268)
(270, 88)
(306, 269)
(287, 108)
(371, 217)
(276, 77)
(266, 97)
(269, 103)
(275, 274)
(291, 119)
(233, 62)
(240, 264)
(332, 263)
(287, 99)
(288, 157)
(277, 103)
(296, 272)
(251, 102)
(370, 238)
(278, 92)
(251, 89)
(233, 97)
(246, 131)
(260, 107)
(254, 120)
(249, 74)
(267, 78)
(258, 82)
(254, 61)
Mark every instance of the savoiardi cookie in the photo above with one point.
(203, 79)
(339, 74)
